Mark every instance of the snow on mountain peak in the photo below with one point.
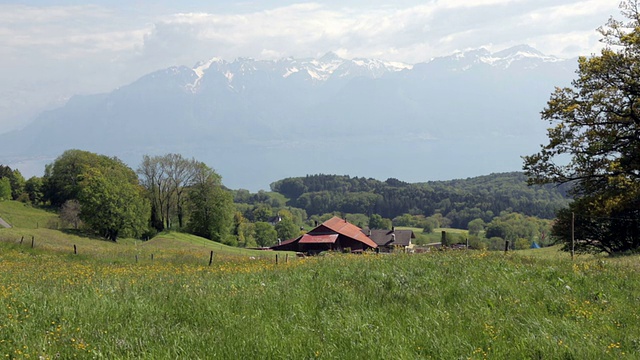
(330, 65)
(312, 69)
(521, 52)
(464, 60)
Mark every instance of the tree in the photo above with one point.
(618, 232)
(262, 212)
(287, 229)
(154, 180)
(15, 179)
(498, 229)
(378, 222)
(62, 177)
(266, 235)
(475, 226)
(429, 225)
(5, 189)
(211, 206)
(113, 203)
(33, 189)
(167, 179)
(597, 127)
(70, 213)
(17, 184)
(243, 230)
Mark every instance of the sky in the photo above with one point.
(53, 49)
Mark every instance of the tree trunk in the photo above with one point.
(180, 216)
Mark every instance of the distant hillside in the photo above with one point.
(459, 200)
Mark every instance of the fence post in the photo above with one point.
(151, 257)
(286, 258)
(21, 240)
(506, 246)
(136, 258)
(276, 259)
(211, 258)
(33, 242)
(75, 250)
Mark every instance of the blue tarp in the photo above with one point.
(534, 245)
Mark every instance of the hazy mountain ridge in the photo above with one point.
(466, 114)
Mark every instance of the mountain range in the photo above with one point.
(256, 121)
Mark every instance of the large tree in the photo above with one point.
(113, 204)
(211, 205)
(594, 141)
(166, 179)
(287, 229)
(265, 234)
(62, 178)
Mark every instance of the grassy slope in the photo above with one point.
(29, 223)
(24, 216)
(185, 242)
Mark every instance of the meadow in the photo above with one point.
(440, 305)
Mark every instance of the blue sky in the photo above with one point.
(52, 50)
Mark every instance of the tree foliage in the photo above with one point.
(265, 234)
(378, 222)
(596, 125)
(287, 229)
(112, 202)
(62, 177)
(34, 189)
(5, 189)
(211, 206)
(16, 181)
(167, 179)
(459, 201)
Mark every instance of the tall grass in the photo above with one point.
(443, 305)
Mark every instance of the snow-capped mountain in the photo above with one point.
(329, 66)
(255, 121)
(522, 56)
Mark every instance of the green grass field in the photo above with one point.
(530, 304)
(24, 216)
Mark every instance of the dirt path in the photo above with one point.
(4, 223)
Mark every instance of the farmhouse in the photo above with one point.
(389, 240)
(334, 234)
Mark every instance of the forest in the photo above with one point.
(460, 201)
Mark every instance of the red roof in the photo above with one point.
(318, 239)
(345, 228)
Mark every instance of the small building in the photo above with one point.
(334, 234)
(389, 240)
(273, 221)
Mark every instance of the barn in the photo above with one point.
(334, 234)
(390, 240)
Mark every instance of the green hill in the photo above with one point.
(40, 226)
(22, 215)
